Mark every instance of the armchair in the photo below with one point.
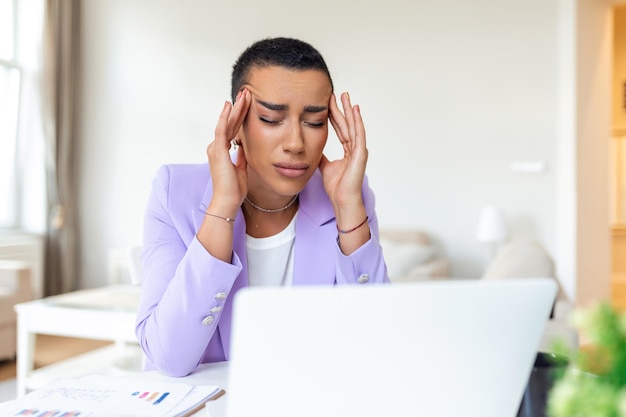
(15, 287)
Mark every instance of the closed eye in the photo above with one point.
(269, 121)
(315, 124)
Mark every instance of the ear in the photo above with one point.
(240, 137)
(234, 144)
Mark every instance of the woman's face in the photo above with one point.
(285, 131)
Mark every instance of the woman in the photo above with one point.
(281, 214)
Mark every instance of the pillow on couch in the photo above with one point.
(523, 258)
(401, 257)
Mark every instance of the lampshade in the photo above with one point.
(491, 226)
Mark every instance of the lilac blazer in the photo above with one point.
(185, 312)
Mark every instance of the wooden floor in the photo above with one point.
(51, 349)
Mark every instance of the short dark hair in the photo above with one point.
(282, 52)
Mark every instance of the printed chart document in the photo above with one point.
(100, 396)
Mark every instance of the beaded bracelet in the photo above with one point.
(354, 228)
(226, 219)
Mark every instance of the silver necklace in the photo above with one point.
(293, 200)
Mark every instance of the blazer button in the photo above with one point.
(363, 279)
(216, 309)
(208, 320)
(220, 296)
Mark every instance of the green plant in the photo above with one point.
(594, 383)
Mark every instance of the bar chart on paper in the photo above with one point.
(99, 396)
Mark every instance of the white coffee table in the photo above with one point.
(106, 313)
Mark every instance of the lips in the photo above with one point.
(291, 170)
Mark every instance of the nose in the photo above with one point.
(294, 141)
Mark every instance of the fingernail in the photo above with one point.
(239, 95)
(347, 95)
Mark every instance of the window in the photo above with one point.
(22, 156)
(10, 83)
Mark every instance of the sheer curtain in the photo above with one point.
(61, 82)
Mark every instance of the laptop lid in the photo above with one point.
(443, 348)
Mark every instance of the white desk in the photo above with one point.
(106, 313)
(215, 374)
(206, 374)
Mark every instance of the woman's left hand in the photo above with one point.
(343, 178)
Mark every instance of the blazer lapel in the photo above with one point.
(315, 236)
(314, 245)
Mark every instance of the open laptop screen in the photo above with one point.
(444, 348)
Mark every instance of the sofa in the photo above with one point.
(411, 256)
(15, 287)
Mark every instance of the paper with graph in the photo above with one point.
(100, 396)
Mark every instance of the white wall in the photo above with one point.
(452, 93)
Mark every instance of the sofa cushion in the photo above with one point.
(402, 257)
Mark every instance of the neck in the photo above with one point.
(271, 210)
(264, 224)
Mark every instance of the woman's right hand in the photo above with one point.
(230, 181)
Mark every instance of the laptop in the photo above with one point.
(441, 348)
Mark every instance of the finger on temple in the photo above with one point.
(240, 110)
(347, 110)
(359, 126)
(338, 121)
(221, 129)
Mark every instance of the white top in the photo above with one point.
(270, 259)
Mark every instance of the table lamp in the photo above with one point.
(492, 228)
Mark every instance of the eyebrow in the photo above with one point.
(284, 107)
